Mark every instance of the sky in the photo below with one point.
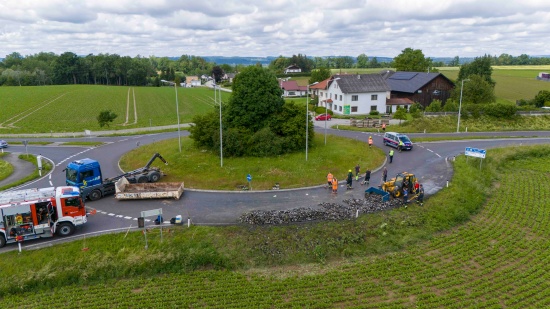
(260, 28)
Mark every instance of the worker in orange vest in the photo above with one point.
(329, 179)
(370, 141)
(334, 185)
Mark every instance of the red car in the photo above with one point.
(323, 117)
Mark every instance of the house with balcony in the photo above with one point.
(418, 87)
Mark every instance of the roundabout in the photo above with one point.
(430, 161)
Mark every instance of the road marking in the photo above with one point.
(110, 214)
(429, 150)
(119, 216)
(127, 217)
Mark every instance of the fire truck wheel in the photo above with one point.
(154, 177)
(2, 241)
(65, 229)
(94, 195)
(142, 179)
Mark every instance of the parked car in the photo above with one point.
(3, 144)
(323, 117)
(393, 138)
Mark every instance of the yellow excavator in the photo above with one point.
(395, 185)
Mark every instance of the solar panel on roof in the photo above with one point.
(403, 75)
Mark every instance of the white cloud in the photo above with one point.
(279, 27)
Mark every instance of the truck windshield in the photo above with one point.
(71, 174)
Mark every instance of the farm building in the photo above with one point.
(418, 86)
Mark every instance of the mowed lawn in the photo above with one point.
(74, 108)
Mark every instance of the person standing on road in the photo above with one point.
(391, 156)
(357, 170)
(370, 141)
(384, 174)
(367, 177)
(383, 127)
(349, 180)
(334, 185)
(329, 179)
(416, 186)
(400, 146)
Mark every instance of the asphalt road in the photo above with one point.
(429, 161)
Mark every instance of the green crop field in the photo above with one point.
(74, 108)
(512, 82)
(497, 258)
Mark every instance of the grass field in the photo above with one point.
(201, 169)
(75, 108)
(455, 252)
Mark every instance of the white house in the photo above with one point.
(292, 89)
(292, 69)
(353, 94)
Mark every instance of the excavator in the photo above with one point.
(395, 185)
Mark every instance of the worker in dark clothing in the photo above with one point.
(384, 174)
(405, 196)
(367, 177)
(420, 195)
(349, 180)
(357, 170)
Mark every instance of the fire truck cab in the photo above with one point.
(36, 213)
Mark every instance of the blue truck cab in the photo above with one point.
(86, 175)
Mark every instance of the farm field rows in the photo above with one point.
(74, 108)
(498, 259)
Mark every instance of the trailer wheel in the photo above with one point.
(94, 195)
(65, 229)
(2, 241)
(142, 179)
(154, 177)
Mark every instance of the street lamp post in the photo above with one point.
(178, 112)
(307, 115)
(221, 136)
(460, 106)
(326, 109)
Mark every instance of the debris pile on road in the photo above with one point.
(326, 212)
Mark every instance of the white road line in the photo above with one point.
(110, 214)
(147, 220)
(127, 217)
(103, 212)
(429, 150)
(437, 154)
(119, 216)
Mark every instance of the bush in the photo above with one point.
(374, 113)
(434, 107)
(321, 110)
(450, 106)
(499, 110)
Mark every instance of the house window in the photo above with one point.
(374, 97)
(340, 97)
(291, 93)
(355, 97)
(354, 109)
(373, 108)
(339, 108)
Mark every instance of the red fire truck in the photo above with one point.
(36, 213)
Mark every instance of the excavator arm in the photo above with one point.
(156, 155)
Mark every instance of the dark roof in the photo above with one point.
(360, 83)
(410, 82)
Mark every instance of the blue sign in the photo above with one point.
(249, 177)
(474, 152)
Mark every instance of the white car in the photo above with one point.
(3, 144)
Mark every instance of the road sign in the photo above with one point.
(249, 177)
(474, 152)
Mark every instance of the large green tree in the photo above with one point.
(256, 96)
(319, 75)
(412, 60)
(476, 90)
(481, 66)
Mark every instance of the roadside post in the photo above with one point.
(477, 153)
(39, 164)
(249, 178)
(149, 213)
(26, 142)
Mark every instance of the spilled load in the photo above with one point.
(124, 190)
